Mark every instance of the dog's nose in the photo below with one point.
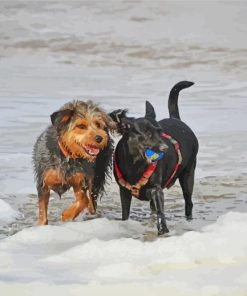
(98, 139)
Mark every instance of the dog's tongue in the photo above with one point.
(93, 150)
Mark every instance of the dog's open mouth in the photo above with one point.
(91, 150)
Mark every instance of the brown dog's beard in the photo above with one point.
(74, 151)
(84, 134)
(77, 149)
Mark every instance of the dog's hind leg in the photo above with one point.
(126, 197)
(186, 181)
(43, 206)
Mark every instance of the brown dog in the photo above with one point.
(75, 151)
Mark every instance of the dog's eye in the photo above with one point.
(82, 126)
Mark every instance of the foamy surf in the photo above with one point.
(102, 252)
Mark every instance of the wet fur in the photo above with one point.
(48, 157)
(131, 162)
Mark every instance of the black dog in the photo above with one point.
(141, 176)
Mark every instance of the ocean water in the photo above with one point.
(120, 53)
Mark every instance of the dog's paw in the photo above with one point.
(163, 231)
(65, 217)
(43, 222)
(73, 211)
(189, 217)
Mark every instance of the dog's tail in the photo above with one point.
(173, 98)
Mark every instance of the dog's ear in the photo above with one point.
(150, 113)
(123, 122)
(62, 117)
(118, 115)
(109, 122)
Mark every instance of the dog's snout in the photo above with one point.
(163, 147)
(98, 139)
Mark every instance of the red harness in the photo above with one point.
(135, 189)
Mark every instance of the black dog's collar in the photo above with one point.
(135, 189)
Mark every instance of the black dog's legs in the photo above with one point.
(126, 197)
(158, 200)
(187, 183)
(152, 206)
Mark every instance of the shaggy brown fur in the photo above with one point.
(74, 152)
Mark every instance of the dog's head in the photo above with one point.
(141, 133)
(83, 129)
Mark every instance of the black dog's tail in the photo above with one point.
(173, 98)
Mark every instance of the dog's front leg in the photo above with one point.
(157, 196)
(81, 202)
(43, 206)
(126, 197)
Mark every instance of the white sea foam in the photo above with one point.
(102, 252)
(7, 213)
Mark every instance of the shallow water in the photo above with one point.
(120, 54)
(208, 206)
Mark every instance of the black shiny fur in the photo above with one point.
(142, 133)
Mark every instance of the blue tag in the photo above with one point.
(153, 156)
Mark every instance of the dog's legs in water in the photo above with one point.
(126, 197)
(158, 200)
(186, 181)
(91, 207)
(81, 199)
(152, 206)
(43, 206)
(51, 178)
(81, 202)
